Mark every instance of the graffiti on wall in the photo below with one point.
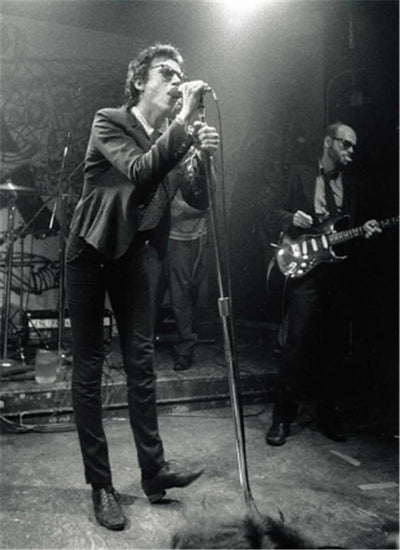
(46, 108)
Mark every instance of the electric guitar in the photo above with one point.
(298, 256)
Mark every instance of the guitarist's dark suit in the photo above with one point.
(317, 308)
(298, 194)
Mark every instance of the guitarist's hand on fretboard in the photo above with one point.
(371, 228)
(301, 219)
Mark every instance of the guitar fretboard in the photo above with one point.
(389, 222)
(348, 234)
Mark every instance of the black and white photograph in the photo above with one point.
(199, 274)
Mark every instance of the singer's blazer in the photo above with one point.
(123, 168)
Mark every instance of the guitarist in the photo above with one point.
(318, 307)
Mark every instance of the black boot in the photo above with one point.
(285, 410)
(329, 422)
(278, 433)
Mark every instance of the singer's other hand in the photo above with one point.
(192, 93)
(205, 138)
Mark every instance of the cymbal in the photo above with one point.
(10, 187)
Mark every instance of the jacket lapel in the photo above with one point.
(135, 129)
(308, 178)
(350, 197)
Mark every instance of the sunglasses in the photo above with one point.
(168, 72)
(346, 144)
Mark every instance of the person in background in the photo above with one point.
(318, 303)
(118, 238)
(186, 268)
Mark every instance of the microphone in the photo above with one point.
(176, 93)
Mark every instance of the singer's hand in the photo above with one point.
(192, 93)
(205, 138)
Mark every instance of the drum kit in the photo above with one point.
(12, 193)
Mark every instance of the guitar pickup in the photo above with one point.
(314, 245)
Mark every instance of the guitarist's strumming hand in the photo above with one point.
(301, 219)
(371, 228)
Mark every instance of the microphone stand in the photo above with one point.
(225, 313)
(61, 201)
(5, 361)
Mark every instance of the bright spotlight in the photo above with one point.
(242, 7)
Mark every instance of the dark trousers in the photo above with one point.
(131, 283)
(316, 342)
(186, 269)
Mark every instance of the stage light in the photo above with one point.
(242, 7)
(238, 13)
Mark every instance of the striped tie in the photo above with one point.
(166, 190)
(156, 207)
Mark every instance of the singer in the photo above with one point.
(118, 237)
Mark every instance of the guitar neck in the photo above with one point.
(355, 232)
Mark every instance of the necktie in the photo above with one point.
(330, 200)
(155, 209)
(161, 198)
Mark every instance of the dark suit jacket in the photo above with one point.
(122, 171)
(298, 194)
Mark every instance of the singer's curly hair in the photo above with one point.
(139, 68)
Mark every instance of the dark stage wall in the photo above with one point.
(280, 72)
(64, 60)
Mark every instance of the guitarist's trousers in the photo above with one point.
(316, 341)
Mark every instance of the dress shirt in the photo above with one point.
(146, 126)
(320, 202)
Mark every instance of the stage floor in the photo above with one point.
(338, 494)
(205, 382)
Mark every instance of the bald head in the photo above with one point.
(339, 143)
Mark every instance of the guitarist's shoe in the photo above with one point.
(278, 433)
(329, 423)
(332, 429)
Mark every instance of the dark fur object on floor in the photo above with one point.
(247, 532)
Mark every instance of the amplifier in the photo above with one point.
(43, 325)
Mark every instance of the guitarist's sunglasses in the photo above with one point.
(345, 143)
